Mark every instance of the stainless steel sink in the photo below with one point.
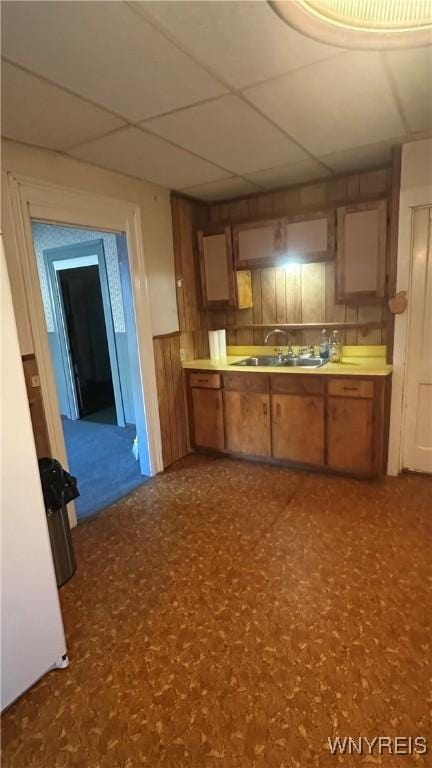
(304, 362)
(263, 360)
(285, 362)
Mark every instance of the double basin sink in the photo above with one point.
(284, 362)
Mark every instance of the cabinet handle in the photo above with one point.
(278, 409)
(202, 381)
(350, 389)
(265, 409)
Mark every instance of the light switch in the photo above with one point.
(35, 381)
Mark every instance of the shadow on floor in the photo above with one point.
(100, 456)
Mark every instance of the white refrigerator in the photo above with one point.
(32, 636)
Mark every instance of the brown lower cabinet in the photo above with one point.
(247, 423)
(336, 423)
(350, 434)
(298, 428)
(208, 418)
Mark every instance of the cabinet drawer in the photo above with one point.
(350, 388)
(205, 380)
(246, 382)
(295, 384)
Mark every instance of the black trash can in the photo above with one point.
(59, 487)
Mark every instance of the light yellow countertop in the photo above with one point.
(356, 361)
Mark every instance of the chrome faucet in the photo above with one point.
(279, 349)
(307, 351)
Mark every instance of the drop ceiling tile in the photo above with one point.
(105, 52)
(242, 42)
(222, 190)
(36, 112)
(140, 154)
(293, 173)
(412, 73)
(334, 105)
(230, 133)
(359, 158)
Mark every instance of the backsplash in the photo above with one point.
(298, 294)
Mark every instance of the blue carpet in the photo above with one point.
(101, 458)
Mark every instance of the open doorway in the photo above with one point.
(81, 296)
(86, 292)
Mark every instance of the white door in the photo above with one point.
(417, 442)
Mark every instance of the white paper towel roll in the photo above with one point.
(222, 343)
(214, 345)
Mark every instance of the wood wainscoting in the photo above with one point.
(37, 411)
(171, 398)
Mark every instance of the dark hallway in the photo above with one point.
(85, 321)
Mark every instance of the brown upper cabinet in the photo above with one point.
(216, 267)
(305, 237)
(361, 252)
(257, 243)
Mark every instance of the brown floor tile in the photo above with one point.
(236, 615)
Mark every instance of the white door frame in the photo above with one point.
(409, 198)
(58, 308)
(33, 199)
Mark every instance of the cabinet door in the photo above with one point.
(310, 237)
(208, 426)
(361, 252)
(247, 419)
(350, 434)
(298, 428)
(216, 267)
(258, 244)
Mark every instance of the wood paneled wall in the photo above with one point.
(300, 294)
(331, 192)
(306, 293)
(37, 411)
(188, 216)
(171, 398)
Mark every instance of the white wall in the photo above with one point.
(416, 189)
(156, 224)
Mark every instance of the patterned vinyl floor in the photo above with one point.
(230, 615)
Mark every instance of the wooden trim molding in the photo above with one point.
(393, 244)
(310, 326)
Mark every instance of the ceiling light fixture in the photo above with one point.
(365, 24)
